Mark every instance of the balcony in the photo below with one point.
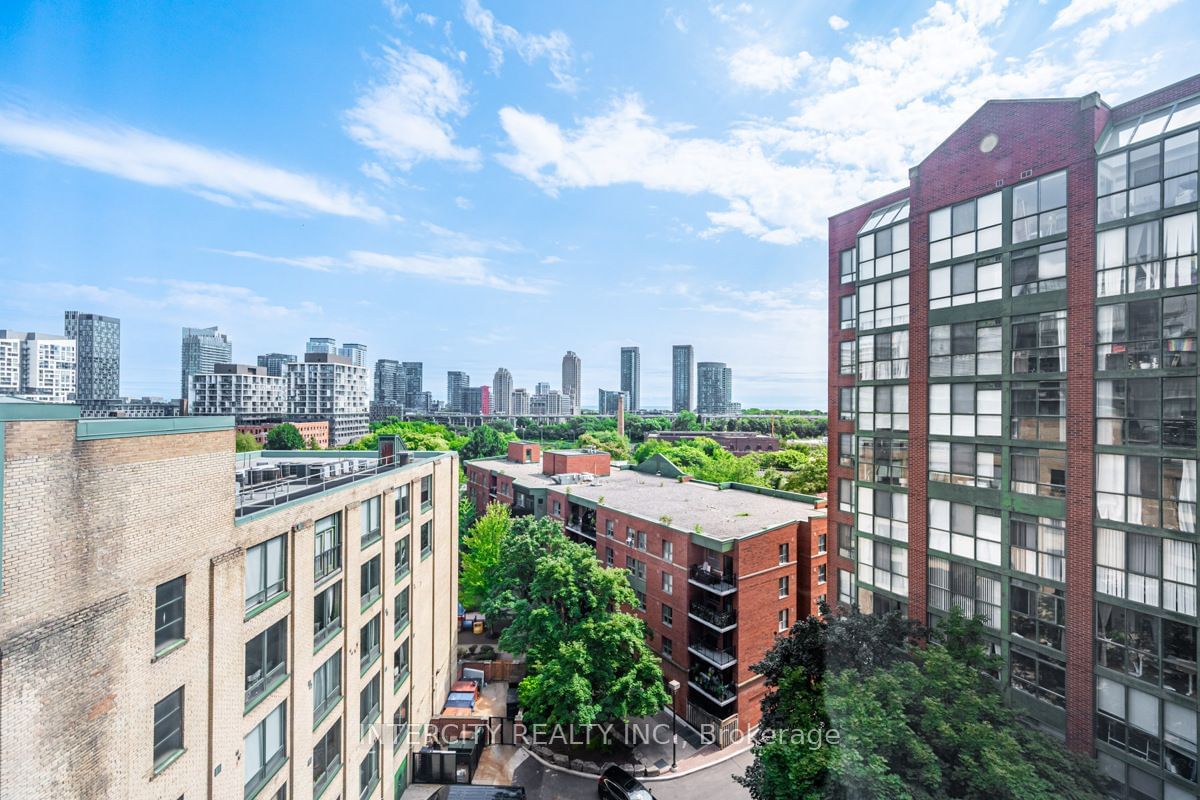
(715, 581)
(718, 657)
(709, 684)
(579, 530)
(720, 621)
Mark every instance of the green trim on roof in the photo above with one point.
(124, 428)
(14, 409)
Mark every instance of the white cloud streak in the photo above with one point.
(759, 68)
(838, 23)
(497, 37)
(142, 157)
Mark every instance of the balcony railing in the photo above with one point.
(574, 526)
(714, 580)
(720, 658)
(709, 684)
(718, 620)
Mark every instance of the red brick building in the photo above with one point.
(1012, 395)
(318, 431)
(719, 571)
(737, 442)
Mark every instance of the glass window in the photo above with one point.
(266, 660)
(403, 557)
(370, 583)
(1150, 570)
(1039, 343)
(883, 356)
(845, 494)
(1149, 648)
(1146, 490)
(966, 283)
(327, 757)
(1040, 208)
(368, 772)
(883, 514)
(426, 492)
(403, 504)
(846, 311)
(883, 304)
(426, 538)
(845, 540)
(1147, 334)
(882, 252)
(966, 228)
(265, 749)
(368, 641)
(846, 358)
(327, 685)
(964, 409)
(955, 585)
(327, 613)
(169, 608)
(965, 464)
(965, 530)
(846, 449)
(400, 610)
(327, 538)
(168, 728)
(266, 571)
(883, 408)
(846, 403)
(1039, 411)
(1037, 613)
(368, 703)
(1039, 675)
(668, 616)
(883, 461)
(1145, 411)
(883, 565)
(1040, 269)
(846, 266)
(1041, 472)
(400, 663)
(368, 512)
(965, 348)
(1157, 175)
(1038, 546)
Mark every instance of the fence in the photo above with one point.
(455, 763)
(510, 671)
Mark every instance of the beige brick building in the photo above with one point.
(169, 631)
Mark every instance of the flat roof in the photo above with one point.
(722, 514)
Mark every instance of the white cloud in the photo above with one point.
(463, 203)
(497, 37)
(759, 68)
(781, 179)
(466, 270)
(551, 260)
(396, 9)
(731, 12)
(1119, 15)
(143, 157)
(427, 19)
(677, 19)
(838, 23)
(404, 116)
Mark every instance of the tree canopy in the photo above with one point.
(609, 441)
(484, 441)
(481, 553)
(245, 442)
(285, 437)
(589, 661)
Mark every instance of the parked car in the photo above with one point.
(617, 784)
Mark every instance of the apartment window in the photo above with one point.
(846, 311)
(168, 729)
(426, 492)
(846, 403)
(1153, 649)
(668, 616)
(1151, 570)
(883, 461)
(636, 567)
(1039, 343)
(1040, 208)
(668, 551)
(1038, 546)
(966, 283)
(641, 541)
(845, 587)
(368, 642)
(783, 619)
(609, 528)
(1145, 411)
(266, 571)
(400, 732)
(169, 608)
(883, 245)
(883, 408)
(846, 358)
(965, 464)
(964, 409)
(426, 538)
(400, 610)
(822, 573)
(403, 558)
(964, 530)
(884, 566)
(368, 704)
(956, 585)
(327, 685)
(266, 660)
(265, 749)
(327, 613)
(1039, 675)
(668, 647)
(1146, 490)
(1158, 731)
(368, 772)
(966, 228)
(327, 757)
(403, 504)
(883, 356)
(845, 494)
(845, 540)
(640, 599)
(1147, 256)
(846, 266)
(608, 556)
(784, 587)
(327, 538)
(368, 512)
(667, 582)
(1158, 175)
(1147, 334)
(1040, 472)
(883, 514)
(1039, 411)
(1037, 613)
(370, 581)
(400, 663)
(785, 552)
(883, 303)
(556, 508)
(965, 349)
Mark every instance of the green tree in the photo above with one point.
(485, 442)
(685, 421)
(481, 553)
(467, 514)
(285, 437)
(609, 441)
(589, 661)
(245, 443)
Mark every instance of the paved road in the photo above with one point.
(714, 782)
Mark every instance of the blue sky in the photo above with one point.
(477, 184)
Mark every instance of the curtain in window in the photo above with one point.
(1110, 481)
(1144, 568)
(1179, 574)
(1110, 697)
(1110, 562)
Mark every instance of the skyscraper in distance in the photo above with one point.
(98, 355)
(456, 381)
(321, 344)
(414, 384)
(631, 376)
(276, 363)
(389, 383)
(357, 353)
(201, 350)
(502, 385)
(714, 391)
(682, 364)
(572, 380)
